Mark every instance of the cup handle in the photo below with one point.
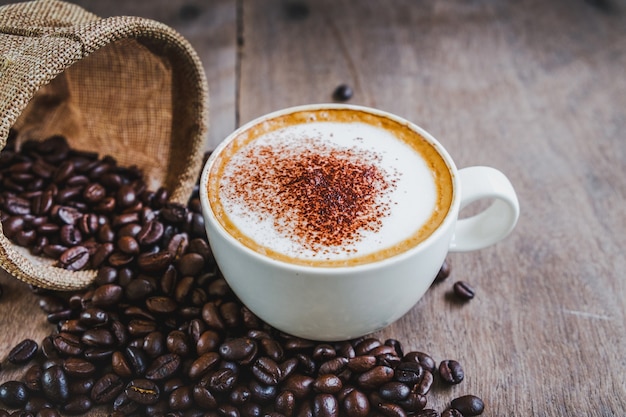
(495, 222)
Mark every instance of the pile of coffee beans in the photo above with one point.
(160, 333)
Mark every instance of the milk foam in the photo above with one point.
(410, 201)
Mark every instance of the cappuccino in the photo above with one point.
(329, 187)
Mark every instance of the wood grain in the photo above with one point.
(534, 88)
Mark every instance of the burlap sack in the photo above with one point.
(128, 87)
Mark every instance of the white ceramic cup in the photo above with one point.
(338, 303)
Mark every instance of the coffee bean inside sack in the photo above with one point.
(160, 332)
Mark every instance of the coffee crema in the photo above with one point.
(329, 187)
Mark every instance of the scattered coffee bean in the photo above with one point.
(468, 405)
(343, 92)
(14, 394)
(451, 372)
(23, 352)
(463, 290)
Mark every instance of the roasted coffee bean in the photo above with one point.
(107, 388)
(414, 402)
(93, 317)
(163, 367)
(343, 92)
(328, 383)
(205, 363)
(356, 404)
(222, 380)
(97, 337)
(451, 372)
(128, 245)
(181, 398)
(32, 378)
(154, 262)
(409, 373)
(375, 377)
(463, 290)
(120, 365)
(143, 391)
(136, 359)
(74, 258)
(423, 387)
(333, 366)
(427, 362)
(161, 305)
(77, 367)
(177, 342)
(266, 371)
(150, 233)
(325, 405)
(54, 384)
(106, 295)
(451, 412)
(391, 410)
(366, 345)
(23, 352)
(263, 394)
(67, 344)
(394, 391)
(361, 363)
(14, 394)
(300, 385)
(468, 405)
(241, 349)
(79, 404)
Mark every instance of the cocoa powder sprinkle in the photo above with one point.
(318, 194)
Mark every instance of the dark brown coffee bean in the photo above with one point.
(154, 262)
(240, 349)
(136, 360)
(161, 305)
(209, 341)
(266, 371)
(328, 384)
(325, 405)
(343, 92)
(23, 351)
(463, 290)
(177, 342)
(409, 373)
(67, 344)
(333, 366)
(14, 394)
(163, 367)
(203, 397)
(375, 377)
(120, 365)
(93, 316)
(394, 391)
(423, 387)
(154, 344)
(17, 206)
(203, 364)
(107, 388)
(366, 345)
(451, 412)
(138, 327)
(107, 295)
(94, 193)
(143, 391)
(451, 372)
(361, 363)
(222, 380)
(79, 404)
(77, 367)
(42, 203)
(150, 233)
(391, 410)
(468, 405)
(54, 384)
(300, 385)
(414, 402)
(68, 215)
(181, 398)
(128, 245)
(97, 337)
(74, 258)
(356, 404)
(427, 362)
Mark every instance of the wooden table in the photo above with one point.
(534, 88)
